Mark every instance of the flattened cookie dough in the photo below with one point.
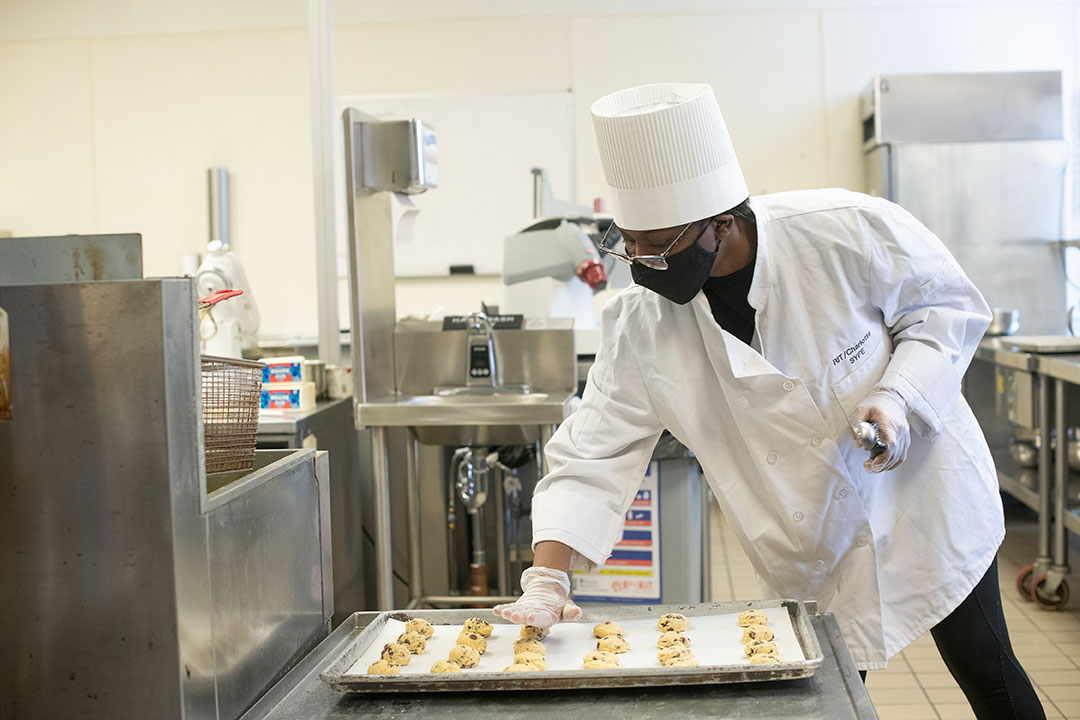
(683, 662)
(414, 641)
(765, 658)
(465, 655)
(608, 628)
(530, 658)
(759, 647)
(381, 667)
(519, 667)
(445, 666)
(600, 660)
(757, 632)
(396, 653)
(613, 643)
(674, 656)
(531, 632)
(420, 626)
(533, 646)
(672, 621)
(472, 640)
(478, 626)
(752, 617)
(671, 638)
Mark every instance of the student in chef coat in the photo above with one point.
(778, 322)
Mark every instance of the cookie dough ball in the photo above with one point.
(445, 666)
(675, 656)
(478, 626)
(519, 667)
(608, 628)
(420, 627)
(752, 617)
(465, 655)
(671, 638)
(414, 641)
(764, 658)
(760, 647)
(613, 644)
(381, 667)
(533, 646)
(472, 639)
(600, 660)
(690, 661)
(757, 632)
(672, 621)
(531, 658)
(671, 653)
(396, 654)
(531, 632)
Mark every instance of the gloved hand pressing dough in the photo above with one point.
(545, 599)
(886, 409)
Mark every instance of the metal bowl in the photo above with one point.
(318, 376)
(1004, 321)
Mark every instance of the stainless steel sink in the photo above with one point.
(475, 399)
(468, 418)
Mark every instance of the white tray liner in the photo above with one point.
(714, 639)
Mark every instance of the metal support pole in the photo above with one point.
(546, 431)
(1042, 560)
(502, 561)
(1061, 483)
(320, 33)
(706, 542)
(412, 478)
(384, 558)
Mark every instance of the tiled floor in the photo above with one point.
(917, 685)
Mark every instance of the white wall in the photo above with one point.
(111, 111)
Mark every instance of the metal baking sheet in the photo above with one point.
(339, 673)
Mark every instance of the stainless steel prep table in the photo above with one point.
(1053, 371)
(834, 692)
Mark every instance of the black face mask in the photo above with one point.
(686, 274)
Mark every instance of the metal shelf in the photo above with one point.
(1025, 495)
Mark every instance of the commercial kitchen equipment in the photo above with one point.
(835, 691)
(134, 584)
(70, 258)
(329, 426)
(1039, 393)
(397, 366)
(980, 159)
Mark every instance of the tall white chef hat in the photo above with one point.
(667, 155)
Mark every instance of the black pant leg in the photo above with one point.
(974, 643)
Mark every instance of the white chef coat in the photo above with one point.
(850, 292)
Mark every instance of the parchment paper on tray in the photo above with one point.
(716, 640)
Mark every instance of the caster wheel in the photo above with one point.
(1049, 602)
(1023, 581)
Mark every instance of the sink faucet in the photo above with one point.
(480, 368)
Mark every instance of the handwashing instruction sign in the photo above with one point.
(632, 573)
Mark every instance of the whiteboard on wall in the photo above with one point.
(487, 147)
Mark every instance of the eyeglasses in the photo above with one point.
(656, 262)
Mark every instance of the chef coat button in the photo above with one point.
(771, 458)
(841, 493)
(788, 385)
(861, 541)
(743, 402)
(798, 516)
(817, 440)
(820, 565)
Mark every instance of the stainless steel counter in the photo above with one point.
(290, 422)
(834, 692)
(997, 351)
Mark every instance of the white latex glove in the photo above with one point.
(545, 599)
(888, 410)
